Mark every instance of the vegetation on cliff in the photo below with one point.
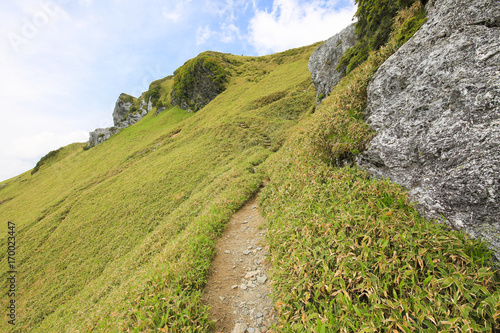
(375, 19)
(200, 80)
(52, 155)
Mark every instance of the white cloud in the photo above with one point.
(203, 34)
(220, 8)
(292, 23)
(31, 22)
(225, 16)
(29, 147)
(43, 82)
(12, 167)
(226, 33)
(176, 12)
(230, 32)
(85, 2)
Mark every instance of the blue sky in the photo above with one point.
(63, 63)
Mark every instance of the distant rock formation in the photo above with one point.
(160, 110)
(325, 59)
(100, 135)
(122, 108)
(435, 105)
(124, 116)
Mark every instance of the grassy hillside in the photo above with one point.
(120, 236)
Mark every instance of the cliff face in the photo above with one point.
(435, 106)
(324, 60)
(122, 108)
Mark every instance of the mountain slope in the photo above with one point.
(99, 229)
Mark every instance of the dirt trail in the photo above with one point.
(238, 287)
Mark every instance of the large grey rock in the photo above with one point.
(122, 108)
(325, 59)
(240, 328)
(150, 105)
(435, 105)
(122, 115)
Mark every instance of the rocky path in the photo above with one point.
(238, 287)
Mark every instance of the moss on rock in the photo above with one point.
(199, 81)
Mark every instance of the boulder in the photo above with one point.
(240, 328)
(325, 58)
(435, 105)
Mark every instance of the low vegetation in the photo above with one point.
(375, 19)
(51, 156)
(350, 253)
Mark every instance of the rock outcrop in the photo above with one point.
(198, 82)
(203, 91)
(160, 110)
(435, 105)
(100, 135)
(325, 59)
(123, 116)
(122, 108)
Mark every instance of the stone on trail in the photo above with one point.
(262, 279)
(240, 328)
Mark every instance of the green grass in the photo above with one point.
(119, 237)
(350, 254)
